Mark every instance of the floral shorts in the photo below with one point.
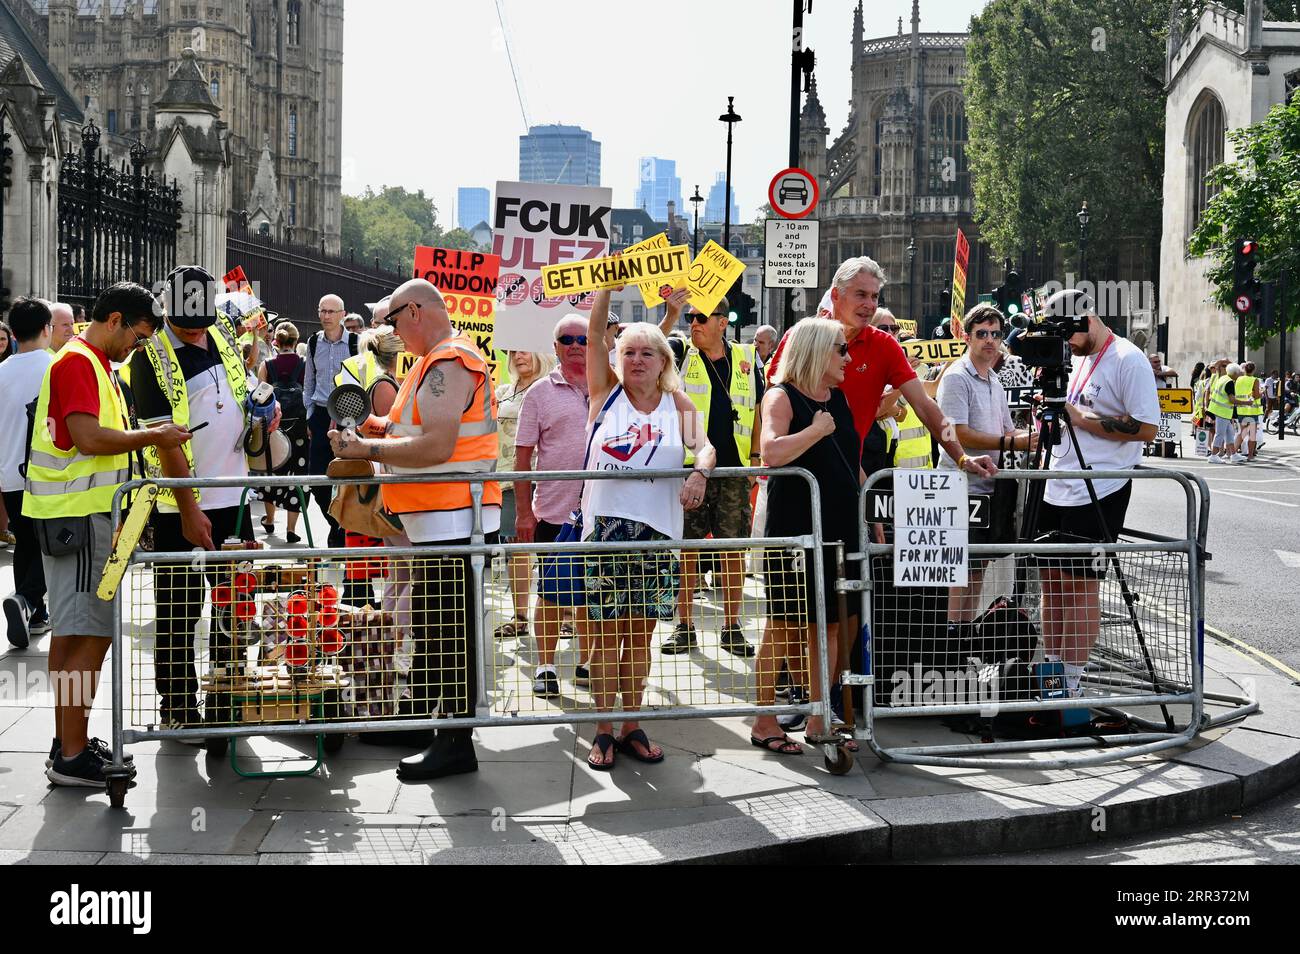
(636, 584)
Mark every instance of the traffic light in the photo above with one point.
(1008, 294)
(1246, 288)
(742, 310)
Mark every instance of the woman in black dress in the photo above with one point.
(806, 423)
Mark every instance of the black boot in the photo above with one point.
(452, 753)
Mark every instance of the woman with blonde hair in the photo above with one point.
(806, 423)
(639, 420)
(526, 368)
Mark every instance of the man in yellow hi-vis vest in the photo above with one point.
(192, 374)
(724, 380)
(81, 453)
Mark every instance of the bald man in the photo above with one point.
(443, 419)
(327, 349)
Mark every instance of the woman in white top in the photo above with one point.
(646, 423)
(526, 369)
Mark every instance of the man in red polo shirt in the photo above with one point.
(876, 359)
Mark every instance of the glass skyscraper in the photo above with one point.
(559, 154)
(657, 185)
(714, 210)
(472, 206)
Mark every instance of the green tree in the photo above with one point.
(389, 224)
(1065, 104)
(1258, 198)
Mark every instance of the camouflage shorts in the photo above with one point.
(725, 511)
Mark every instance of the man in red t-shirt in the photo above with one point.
(876, 359)
(124, 317)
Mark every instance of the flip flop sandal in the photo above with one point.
(627, 747)
(782, 749)
(512, 629)
(604, 742)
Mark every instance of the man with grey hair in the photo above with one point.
(765, 339)
(876, 359)
(63, 325)
(354, 323)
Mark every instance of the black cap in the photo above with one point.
(190, 297)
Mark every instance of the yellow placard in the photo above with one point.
(80, 327)
(653, 292)
(711, 275)
(405, 362)
(659, 265)
(936, 350)
(906, 326)
(1175, 400)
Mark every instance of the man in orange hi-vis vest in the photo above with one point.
(443, 421)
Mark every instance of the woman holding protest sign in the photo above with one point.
(639, 420)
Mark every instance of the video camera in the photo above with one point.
(1042, 343)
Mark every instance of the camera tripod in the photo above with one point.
(1054, 423)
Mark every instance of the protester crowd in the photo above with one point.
(171, 384)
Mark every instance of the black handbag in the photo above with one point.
(62, 536)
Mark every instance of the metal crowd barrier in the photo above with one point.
(323, 642)
(1149, 653)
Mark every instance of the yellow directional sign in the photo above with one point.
(936, 350)
(1175, 400)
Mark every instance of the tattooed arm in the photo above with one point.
(444, 394)
(1117, 427)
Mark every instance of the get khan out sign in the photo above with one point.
(534, 225)
(665, 265)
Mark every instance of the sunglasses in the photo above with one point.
(841, 348)
(391, 318)
(700, 319)
(568, 340)
(984, 334)
(888, 329)
(139, 342)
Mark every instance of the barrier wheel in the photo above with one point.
(841, 763)
(117, 791)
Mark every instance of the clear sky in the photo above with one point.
(429, 101)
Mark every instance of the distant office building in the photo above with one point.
(472, 207)
(657, 185)
(560, 154)
(714, 210)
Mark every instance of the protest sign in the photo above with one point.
(906, 326)
(239, 301)
(665, 265)
(961, 257)
(931, 528)
(935, 350)
(536, 224)
(468, 282)
(653, 293)
(711, 276)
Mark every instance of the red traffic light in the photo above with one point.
(1247, 247)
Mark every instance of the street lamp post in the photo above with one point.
(730, 117)
(1083, 216)
(911, 280)
(695, 200)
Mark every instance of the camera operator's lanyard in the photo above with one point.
(1077, 393)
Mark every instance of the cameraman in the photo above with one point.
(1112, 404)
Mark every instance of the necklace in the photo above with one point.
(723, 384)
(216, 381)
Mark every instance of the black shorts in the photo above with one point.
(1080, 524)
(545, 532)
(790, 585)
